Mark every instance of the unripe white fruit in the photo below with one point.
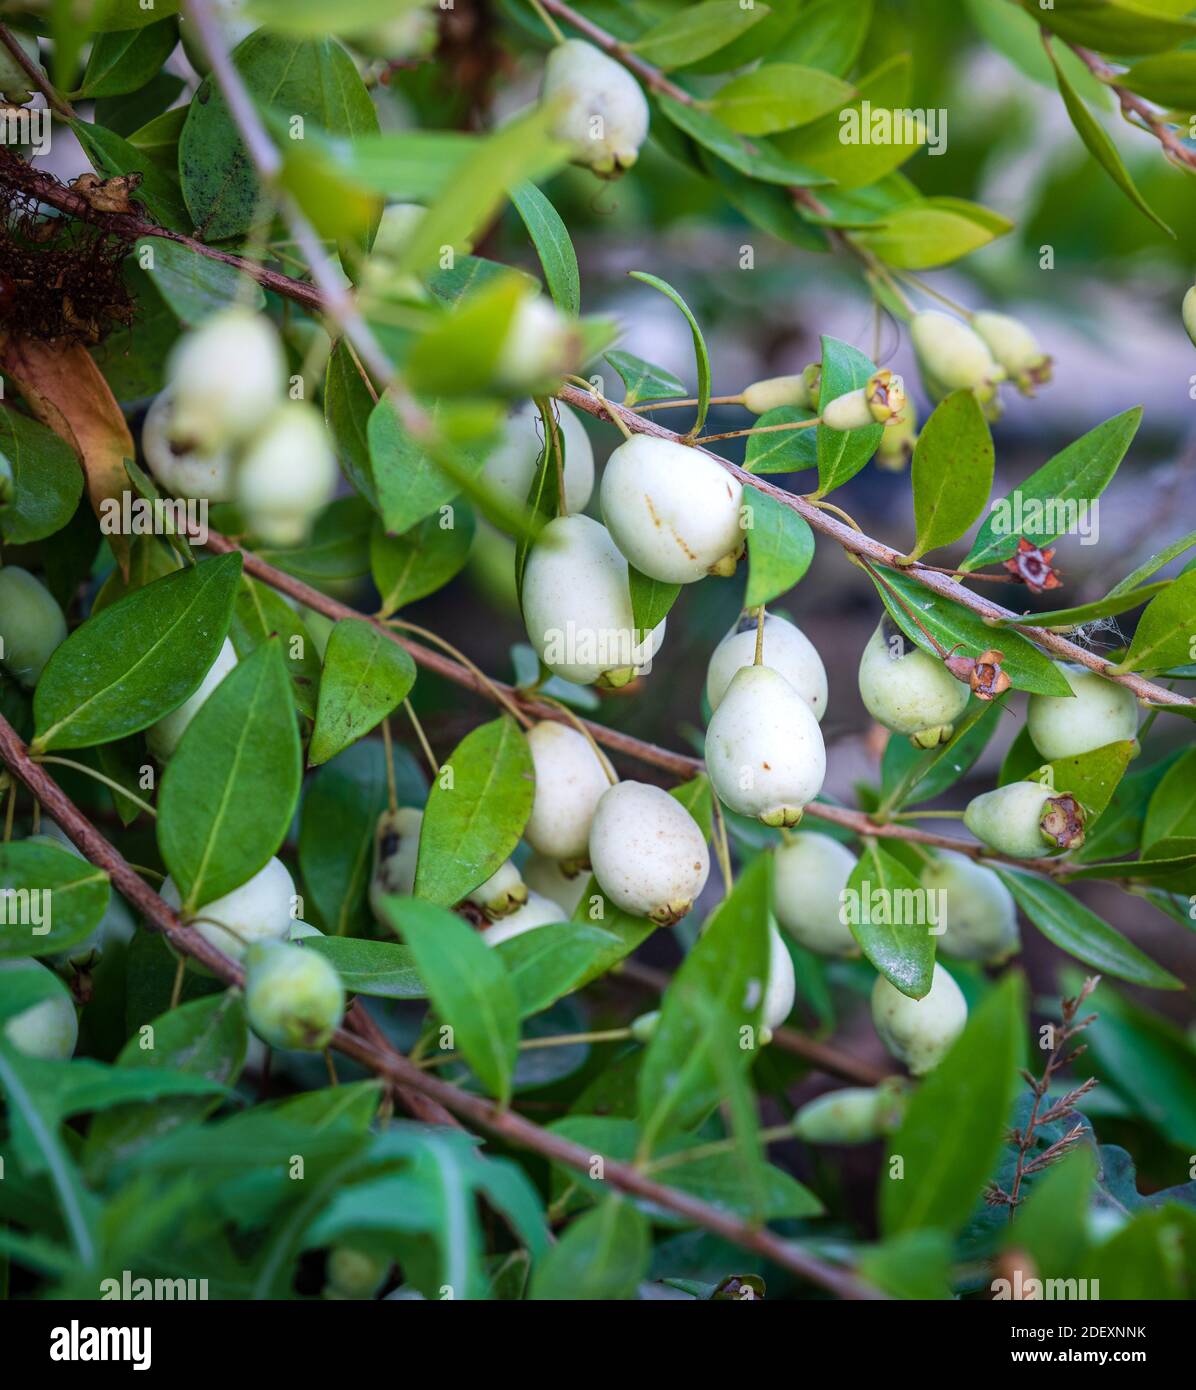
(776, 391)
(179, 470)
(502, 893)
(673, 511)
(979, 912)
(909, 691)
(259, 910)
(1098, 712)
(225, 377)
(511, 468)
(396, 853)
(1014, 348)
(853, 1115)
(1025, 819)
(879, 402)
(536, 912)
(541, 346)
(287, 474)
(1189, 313)
(31, 625)
(294, 997)
(599, 109)
(953, 353)
(577, 605)
(810, 875)
(919, 1032)
(50, 1029)
(787, 649)
(163, 737)
(546, 877)
(764, 749)
(648, 853)
(570, 781)
(781, 990)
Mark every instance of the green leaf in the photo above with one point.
(829, 35)
(925, 775)
(381, 969)
(1106, 607)
(643, 381)
(842, 453)
(47, 481)
(780, 548)
(519, 151)
(932, 232)
(778, 96)
(261, 613)
(1169, 79)
(956, 1121)
(123, 61)
(112, 155)
(696, 31)
(312, 78)
(339, 546)
(717, 991)
(553, 245)
(651, 599)
(347, 407)
(756, 158)
(701, 354)
(1171, 813)
(194, 286)
(468, 987)
(1053, 493)
(366, 676)
(782, 451)
(1117, 26)
(423, 559)
(476, 811)
(1165, 635)
(138, 660)
(50, 899)
(554, 960)
(1154, 564)
(231, 788)
(317, 17)
(1052, 1227)
(1092, 777)
(952, 471)
(602, 1255)
(889, 920)
(1101, 147)
(1075, 929)
(952, 625)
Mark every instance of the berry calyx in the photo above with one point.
(919, 1032)
(294, 997)
(673, 511)
(1025, 819)
(880, 401)
(764, 749)
(502, 893)
(649, 855)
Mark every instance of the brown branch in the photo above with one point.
(1152, 121)
(392, 1066)
(35, 74)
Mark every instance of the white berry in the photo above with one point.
(163, 737)
(787, 649)
(811, 873)
(1097, 712)
(649, 855)
(512, 466)
(570, 781)
(919, 1032)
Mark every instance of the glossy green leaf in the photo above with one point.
(476, 811)
(782, 451)
(348, 403)
(695, 31)
(1101, 147)
(261, 613)
(1074, 928)
(956, 1121)
(382, 969)
(1092, 777)
(1171, 813)
(644, 381)
(955, 626)
(553, 245)
(931, 232)
(317, 17)
(911, 775)
(231, 787)
(651, 599)
(1117, 26)
(1166, 631)
(423, 559)
(602, 1255)
(50, 899)
(1108, 607)
(468, 986)
(842, 453)
(757, 157)
(952, 471)
(1049, 501)
(551, 961)
(887, 916)
(123, 61)
(366, 676)
(701, 354)
(828, 35)
(47, 481)
(780, 547)
(778, 96)
(138, 660)
(1169, 79)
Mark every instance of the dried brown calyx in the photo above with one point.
(1032, 567)
(983, 673)
(1062, 822)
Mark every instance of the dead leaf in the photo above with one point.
(67, 392)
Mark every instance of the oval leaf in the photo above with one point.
(50, 899)
(886, 909)
(366, 675)
(952, 471)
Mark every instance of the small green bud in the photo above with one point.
(354, 1274)
(853, 1115)
(952, 354)
(876, 403)
(776, 391)
(643, 1029)
(293, 996)
(1015, 349)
